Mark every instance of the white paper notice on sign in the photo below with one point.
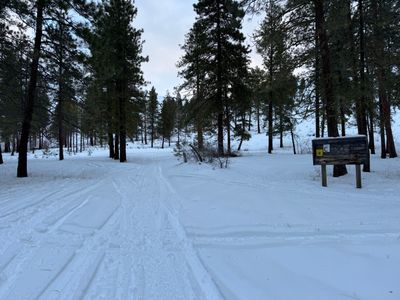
(327, 148)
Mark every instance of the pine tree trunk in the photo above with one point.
(342, 120)
(293, 140)
(317, 90)
(243, 129)
(240, 143)
(76, 142)
(60, 116)
(111, 144)
(228, 131)
(270, 125)
(40, 139)
(110, 125)
(7, 146)
(22, 170)
(338, 170)
(323, 121)
(281, 130)
(14, 147)
(1, 156)
(382, 130)
(17, 142)
(391, 148)
(145, 129)
(361, 102)
(122, 122)
(152, 133)
(249, 125)
(258, 121)
(116, 150)
(220, 103)
(270, 103)
(371, 133)
(385, 113)
(317, 115)
(200, 138)
(162, 143)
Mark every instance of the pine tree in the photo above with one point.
(214, 52)
(382, 17)
(61, 58)
(272, 44)
(13, 69)
(117, 57)
(339, 170)
(22, 170)
(193, 66)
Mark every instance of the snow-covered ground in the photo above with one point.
(154, 228)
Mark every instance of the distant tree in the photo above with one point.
(272, 43)
(167, 119)
(256, 84)
(153, 114)
(179, 116)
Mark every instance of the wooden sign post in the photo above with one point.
(341, 151)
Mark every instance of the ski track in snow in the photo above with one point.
(116, 238)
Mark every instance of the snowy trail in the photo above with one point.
(91, 228)
(116, 237)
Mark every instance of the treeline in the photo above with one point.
(338, 61)
(79, 79)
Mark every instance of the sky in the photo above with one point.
(165, 24)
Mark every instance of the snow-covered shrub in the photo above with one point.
(190, 153)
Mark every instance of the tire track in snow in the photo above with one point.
(24, 204)
(21, 250)
(255, 242)
(199, 272)
(97, 277)
(53, 203)
(88, 277)
(156, 270)
(26, 252)
(130, 269)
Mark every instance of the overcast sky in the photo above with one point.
(165, 24)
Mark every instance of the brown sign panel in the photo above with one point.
(341, 150)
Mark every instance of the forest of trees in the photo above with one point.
(70, 75)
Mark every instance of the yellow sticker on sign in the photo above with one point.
(320, 152)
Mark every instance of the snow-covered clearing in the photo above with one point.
(91, 228)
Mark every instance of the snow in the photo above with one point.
(342, 137)
(154, 228)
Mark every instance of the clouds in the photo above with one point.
(165, 24)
